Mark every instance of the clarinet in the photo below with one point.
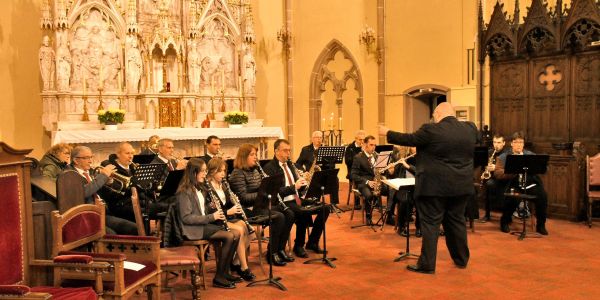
(217, 203)
(264, 175)
(236, 201)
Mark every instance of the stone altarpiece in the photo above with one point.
(167, 63)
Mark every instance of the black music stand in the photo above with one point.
(144, 177)
(524, 165)
(330, 156)
(323, 183)
(269, 189)
(406, 254)
(143, 159)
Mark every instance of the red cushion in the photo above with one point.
(96, 255)
(81, 226)
(58, 293)
(74, 259)
(11, 244)
(14, 289)
(130, 237)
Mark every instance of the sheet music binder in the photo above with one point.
(330, 154)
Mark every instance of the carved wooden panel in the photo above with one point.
(169, 112)
(563, 186)
(508, 97)
(585, 118)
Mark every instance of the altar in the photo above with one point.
(187, 141)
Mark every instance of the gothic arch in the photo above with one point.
(321, 75)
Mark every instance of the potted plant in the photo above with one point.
(236, 119)
(111, 117)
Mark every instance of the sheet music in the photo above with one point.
(133, 266)
(397, 183)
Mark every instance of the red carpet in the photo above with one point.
(563, 265)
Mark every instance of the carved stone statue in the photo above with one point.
(63, 66)
(46, 60)
(194, 68)
(134, 67)
(249, 72)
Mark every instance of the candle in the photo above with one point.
(340, 123)
(323, 125)
(331, 121)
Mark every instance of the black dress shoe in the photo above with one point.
(223, 284)
(247, 275)
(300, 252)
(460, 266)
(314, 247)
(415, 268)
(542, 230)
(234, 279)
(418, 233)
(284, 256)
(504, 227)
(275, 260)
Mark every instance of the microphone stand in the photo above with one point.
(324, 259)
(274, 281)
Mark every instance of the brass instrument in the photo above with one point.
(217, 203)
(309, 174)
(236, 201)
(487, 174)
(120, 183)
(265, 175)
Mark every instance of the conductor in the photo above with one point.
(444, 182)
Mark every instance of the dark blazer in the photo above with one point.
(272, 168)
(91, 188)
(107, 193)
(362, 170)
(157, 160)
(351, 151)
(307, 157)
(191, 217)
(444, 159)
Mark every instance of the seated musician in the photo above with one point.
(201, 220)
(213, 148)
(55, 160)
(510, 203)
(363, 174)
(308, 158)
(404, 169)
(165, 155)
(245, 180)
(218, 189)
(494, 188)
(152, 146)
(281, 164)
(93, 181)
(351, 151)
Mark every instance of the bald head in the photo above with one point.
(125, 154)
(443, 110)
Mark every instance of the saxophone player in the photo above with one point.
(307, 159)
(494, 188)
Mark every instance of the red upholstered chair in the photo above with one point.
(593, 183)
(82, 226)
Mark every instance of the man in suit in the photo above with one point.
(494, 187)
(363, 174)
(308, 157)
(510, 203)
(213, 147)
(351, 150)
(281, 164)
(443, 184)
(120, 204)
(166, 148)
(92, 181)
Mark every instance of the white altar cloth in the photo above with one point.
(129, 135)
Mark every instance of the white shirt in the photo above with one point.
(285, 167)
(201, 202)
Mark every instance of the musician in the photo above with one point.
(494, 188)
(351, 151)
(93, 181)
(363, 174)
(443, 184)
(405, 169)
(165, 156)
(152, 147)
(245, 180)
(55, 160)
(217, 172)
(213, 148)
(199, 218)
(517, 145)
(308, 157)
(281, 164)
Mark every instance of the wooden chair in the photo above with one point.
(85, 225)
(593, 183)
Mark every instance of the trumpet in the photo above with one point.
(217, 203)
(236, 201)
(487, 174)
(120, 183)
(263, 174)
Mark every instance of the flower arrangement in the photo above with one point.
(111, 116)
(236, 117)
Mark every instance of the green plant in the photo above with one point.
(111, 116)
(236, 117)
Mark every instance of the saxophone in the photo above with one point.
(236, 201)
(263, 175)
(217, 203)
(308, 175)
(487, 174)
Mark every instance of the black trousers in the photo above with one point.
(541, 206)
(406, 202)
(370, 198)
(282, 222)
(304, 219)
(448, 211)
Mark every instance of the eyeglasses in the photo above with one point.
(84, 157)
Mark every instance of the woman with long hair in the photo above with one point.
(202, 220)
(245, 180)
(217, 172)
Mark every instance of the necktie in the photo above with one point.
(291, 182)
(170, 164)
(86, 174)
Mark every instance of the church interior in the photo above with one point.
(100, 75)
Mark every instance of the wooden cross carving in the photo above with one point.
(550, 77)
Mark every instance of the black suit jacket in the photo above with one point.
(272, 168)
(362, 170)
(444, 160)
(351, 151)
(157, 160)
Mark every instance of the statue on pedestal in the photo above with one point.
(46, 60)
(134, 67)
(193, 62)
(249, 72)
(63, 66)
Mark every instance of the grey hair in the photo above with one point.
(75, 152)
